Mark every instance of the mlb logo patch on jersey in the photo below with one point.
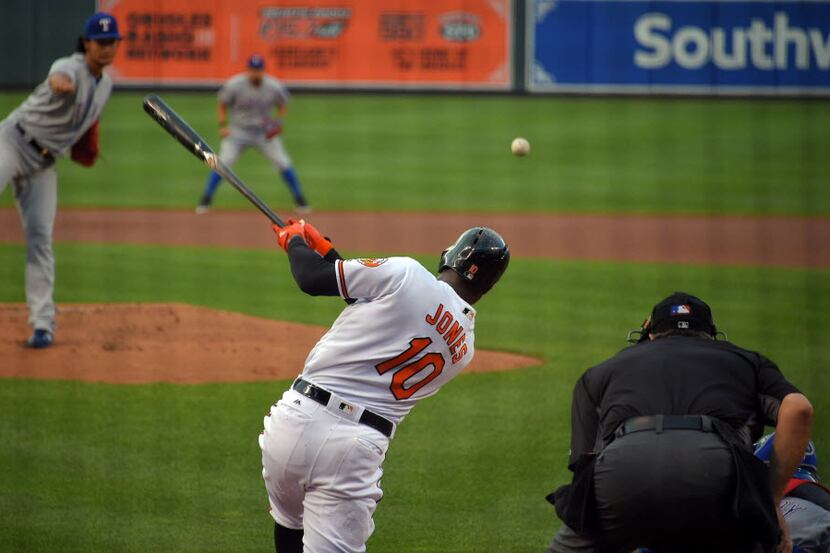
(372, 261)
(681, 310)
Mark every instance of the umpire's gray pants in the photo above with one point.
(35, 185)
(673, 489)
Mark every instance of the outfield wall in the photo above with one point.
(33, 33)
(383, 44)
(744, 47)
(720, 47)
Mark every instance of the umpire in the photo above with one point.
(661, 444)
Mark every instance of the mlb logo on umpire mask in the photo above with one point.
(682, 311)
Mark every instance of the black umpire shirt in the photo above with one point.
(676, 375)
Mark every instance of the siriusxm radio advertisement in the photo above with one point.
(682, 46)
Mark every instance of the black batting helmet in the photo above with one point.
(480, 256)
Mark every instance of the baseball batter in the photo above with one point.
(59, 116)
(404, 334)
(251, 97)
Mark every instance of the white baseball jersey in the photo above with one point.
(407, 335)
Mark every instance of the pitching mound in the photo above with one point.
(140, 343)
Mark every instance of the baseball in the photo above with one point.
(520, 146)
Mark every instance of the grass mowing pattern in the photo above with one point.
(451, 153)
(91, 467)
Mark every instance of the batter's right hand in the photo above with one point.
(224, 132)
(317, 241)
(289, 231)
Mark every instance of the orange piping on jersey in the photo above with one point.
(434, 318)
(342, 279)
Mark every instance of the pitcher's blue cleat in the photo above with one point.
(40, 339)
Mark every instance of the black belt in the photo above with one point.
(321, 396)
(41, 150)
(659, 423)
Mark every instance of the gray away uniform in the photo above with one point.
(250, 106)
(55, 122)
(809, 524)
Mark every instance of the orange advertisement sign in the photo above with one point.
(337, 43)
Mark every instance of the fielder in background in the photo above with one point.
(60, 116)
(403, 335)
(806, 503)
(252, 97)
(661, 444)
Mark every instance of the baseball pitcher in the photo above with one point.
(60, 116)
(403, 335)
(251, 98)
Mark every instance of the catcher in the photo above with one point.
(806, 503)
(60, 115)
(251, 97)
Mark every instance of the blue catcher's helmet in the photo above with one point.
(807, 470)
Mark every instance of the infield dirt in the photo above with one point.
(137, 343)
(142, 343)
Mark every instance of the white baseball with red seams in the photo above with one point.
(405, 336)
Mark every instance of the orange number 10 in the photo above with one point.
(406, 370)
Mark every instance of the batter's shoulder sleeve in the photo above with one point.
(370, 278)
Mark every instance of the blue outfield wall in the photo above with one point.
(679, 46)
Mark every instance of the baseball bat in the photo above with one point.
(173, 123)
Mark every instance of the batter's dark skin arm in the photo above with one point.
(314, 275)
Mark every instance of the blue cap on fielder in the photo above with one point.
(256, 62)
(101, 26)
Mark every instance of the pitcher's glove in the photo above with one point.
(316, 241)
(273, 127)
(85, 150)
(288, 232)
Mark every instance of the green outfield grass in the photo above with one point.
(94, 467)
(452, 153)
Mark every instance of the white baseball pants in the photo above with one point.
(322, 471)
